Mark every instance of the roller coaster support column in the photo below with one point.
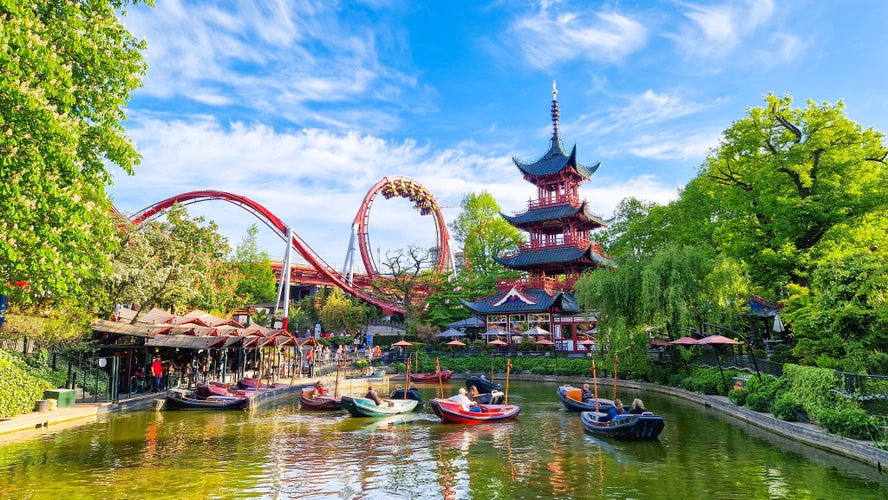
(284, 287)
(348, 269)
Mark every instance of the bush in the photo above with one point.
(877, 364)
(760, 402)
(782, 353)
(787, 410)
(738, 397)
(709, 381)
(849, 423)
(20, 388)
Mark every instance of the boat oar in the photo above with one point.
(508, 369)
(595, 384)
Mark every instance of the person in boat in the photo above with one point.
(473, 393)
(371, 394)
(467, 404)
(616, 411)
(586, 394)
(319, 389)
(637, 407)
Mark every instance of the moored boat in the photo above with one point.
(453, 412)
(310, 400)
(412, 393)
(376, 374)
(422, 378)
(489, 398)
(181, 400)
(645, 426)
(483, 385)
(572, 399)
(363, 407)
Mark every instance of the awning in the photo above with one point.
(185, 341)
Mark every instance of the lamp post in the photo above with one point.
(751, 348)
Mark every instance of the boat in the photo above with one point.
(572, 399)
(423, 378)
(320, 402)
(376, 374)
(250, 383)
(642, 427)
(363, 407)
(483, 385)
(182, 400)
(412, 393)
(453, 412)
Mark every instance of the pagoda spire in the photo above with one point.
(555, 114)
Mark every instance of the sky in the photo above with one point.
(302, 106)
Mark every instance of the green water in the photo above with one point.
(281, 452)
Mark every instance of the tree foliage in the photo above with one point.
(341, 313)
(258, 283)
(66, 73)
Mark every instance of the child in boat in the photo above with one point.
(319, 389)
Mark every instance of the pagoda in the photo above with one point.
(559, 249)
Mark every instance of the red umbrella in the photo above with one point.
(402, 343)
(718, 340)
(685, 341)
(544, 341)
(456, 343)
(497, 342)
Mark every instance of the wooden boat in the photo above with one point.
(363, 407)
(422, 378)
(376, 374)
(645, 426)
(412, 393)
(181, 400)
(483, 385)
(323, 402)
(453, 412)
(250, 383)
(572, 399)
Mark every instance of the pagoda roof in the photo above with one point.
(531, 258)
(562, 211)
(555, 160)
(517, 303)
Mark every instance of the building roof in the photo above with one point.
(515, 303)
(555, 160)
(532, 258)
(562, 211)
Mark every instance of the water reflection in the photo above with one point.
(281, 452)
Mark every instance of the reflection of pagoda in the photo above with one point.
(559, 249)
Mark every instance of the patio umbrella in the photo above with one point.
(450, 332)
(544, 342)
(402, 343)
(778, 324)
(685, 341)
(716, 341)
(497, 342)
(495, 332)
(536, 331)
(473, 322)
(456, 343)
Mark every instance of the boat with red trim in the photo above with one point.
(454, 412)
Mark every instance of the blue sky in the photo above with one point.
(303, 106)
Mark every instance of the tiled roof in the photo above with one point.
(544, 302)
(554, 161)
(562, 211)
(527, 258)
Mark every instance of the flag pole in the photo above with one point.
(438, 373)
(616, 364)
(595, 384)
(508, 370)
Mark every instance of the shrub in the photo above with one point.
(738, 397)
(783, 354)
(788, 410)
(760, 402)
(812, 387)
(849, 423)
(877, 364)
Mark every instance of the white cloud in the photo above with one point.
(552, 36)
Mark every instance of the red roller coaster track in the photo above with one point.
(421, 198)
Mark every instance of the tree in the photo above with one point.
(66, 73)
(484, 234)
(258, 283)
(342, 313)
(784, 177)
(406, 280)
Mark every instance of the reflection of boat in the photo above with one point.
(572, 399)
(489, 398)
(412, 393)
(363, 407)
(483, 385)
(181, 400)
(639, 427)
(431, 377)
(454, 412)
(376, 374)
(323, 402)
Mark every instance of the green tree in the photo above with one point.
(66, 73)
(258, 283)
(342, 313)
(406, 279)
(484, 235)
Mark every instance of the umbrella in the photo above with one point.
(685, 341)
(718, 340)
(402, 343)
(496, 331)
(544, 342)
(778, 324)
(497, 342)
(451, 332)
(473, 322)
(536, 331)
(456, 343)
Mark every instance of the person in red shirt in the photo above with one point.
(157, 372)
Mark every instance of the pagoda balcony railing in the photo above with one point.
(548, 283)
(559, 242)
(573, 199)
